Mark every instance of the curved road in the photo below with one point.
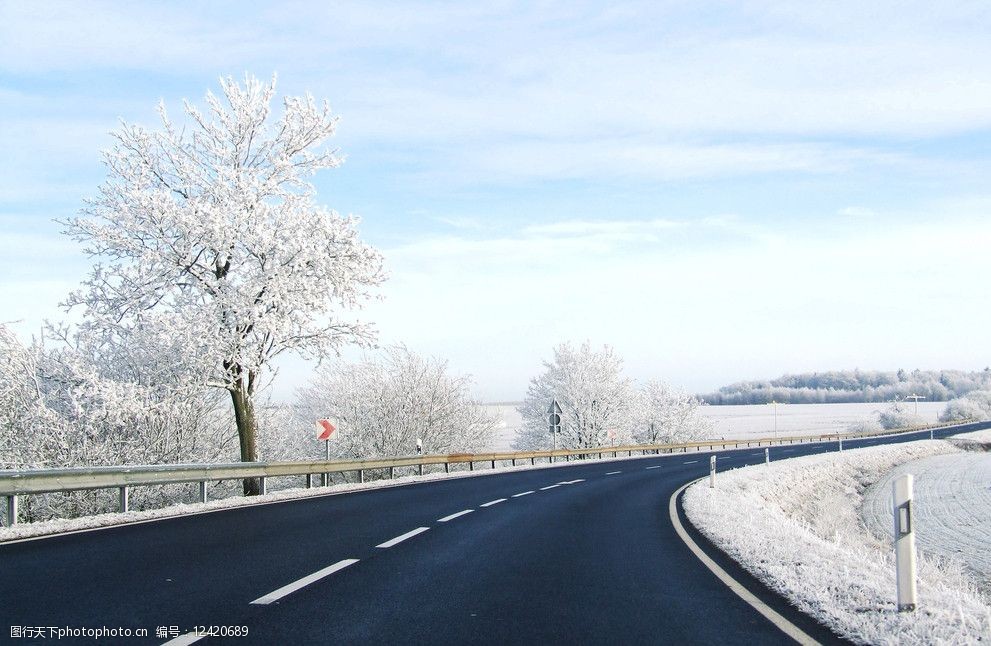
(590, 556)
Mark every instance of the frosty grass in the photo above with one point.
(796, 525)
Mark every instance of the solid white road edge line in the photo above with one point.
(493, 502)
(549, 487)
(399, 539)
(522, 493)
(301, 583)
(453, 516)
(783, 624)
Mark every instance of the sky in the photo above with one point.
(721, 191)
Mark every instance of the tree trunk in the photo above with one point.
(247, 431)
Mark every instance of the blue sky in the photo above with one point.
(721, 191)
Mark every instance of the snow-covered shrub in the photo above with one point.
(897, 416)
(87, 403)
(869, 425)
(382, 405)
(974, 405)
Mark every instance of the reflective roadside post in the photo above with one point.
(841, 442)
(767, 456)
(904, 543)
(712, 471)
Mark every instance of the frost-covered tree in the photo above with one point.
(210, 232)
(975, 405)
(596, 400)
(383, 404)
(666, 414)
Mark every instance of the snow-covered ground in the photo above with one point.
(796, 525)
(732, 422)
(951, 509)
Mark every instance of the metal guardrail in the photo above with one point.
(38, 481)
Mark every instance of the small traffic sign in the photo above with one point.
(324, 429)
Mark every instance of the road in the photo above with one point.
(577, 554)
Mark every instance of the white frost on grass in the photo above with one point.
(951, 510)
(975, 441)
(795, 525)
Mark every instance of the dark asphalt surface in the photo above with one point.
(593, 562)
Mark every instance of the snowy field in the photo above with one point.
(952, 509)
(733, 422)
(796, 525)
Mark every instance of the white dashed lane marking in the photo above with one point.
(453, 516)
(296, 585)
(493, 502)
(399, 539)
(612, 473)
(522, 493)
(549, 487)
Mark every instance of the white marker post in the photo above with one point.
(904, 543)
(767, 456)
(841, 442)
(712, 472)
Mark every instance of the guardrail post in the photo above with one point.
(904, 543)
(202, 490)
(493, 464)
(447, 467)
(419, 468)
(514, 462)
(471, 465)
(123, 499)
(712, 472)
(361, 475)
(263, 484)
(533, 461)
(309, 480)
(392, 472)
(11, 510)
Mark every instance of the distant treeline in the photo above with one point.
(853, 386)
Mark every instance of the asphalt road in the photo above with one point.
(589, 557)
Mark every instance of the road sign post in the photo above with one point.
(554, 421)
(324, 430)
(904, 543)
